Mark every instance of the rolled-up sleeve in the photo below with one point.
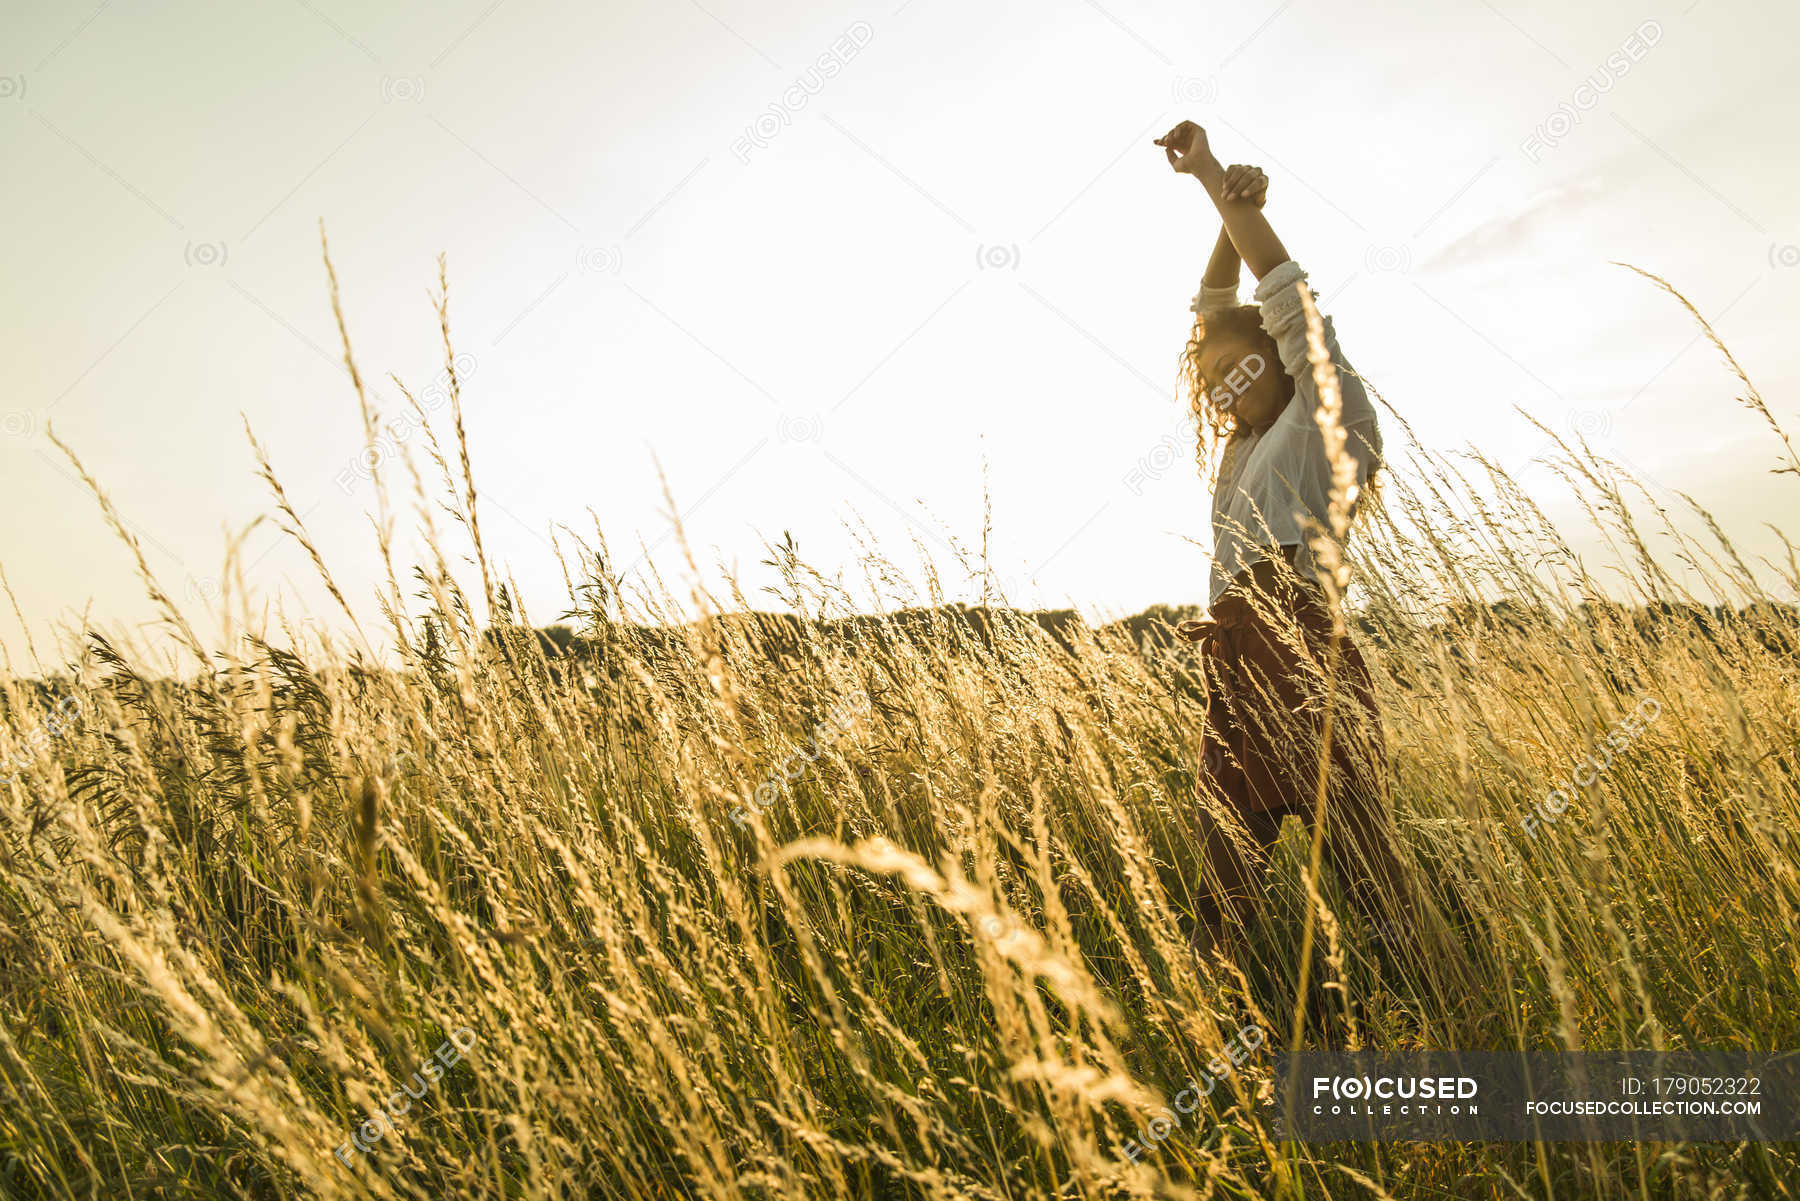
(1211, 300)
(1284, 317)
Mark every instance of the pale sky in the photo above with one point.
(960, 250)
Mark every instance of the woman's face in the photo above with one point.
(1243, 382)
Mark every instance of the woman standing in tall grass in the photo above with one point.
(1273, 659)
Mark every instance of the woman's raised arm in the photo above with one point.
(1222, 268)
(1254, 238)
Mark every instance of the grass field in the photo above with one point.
(705, 903)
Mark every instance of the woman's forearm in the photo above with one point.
(1222, 267)
(1249, 231)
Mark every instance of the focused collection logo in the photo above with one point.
(1530, 1096)
(1344, 1096)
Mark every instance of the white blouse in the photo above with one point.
(1274, 489)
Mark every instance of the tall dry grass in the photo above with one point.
(950, 956)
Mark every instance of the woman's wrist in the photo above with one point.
(1211, 174)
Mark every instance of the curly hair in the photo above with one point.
(1215, 426)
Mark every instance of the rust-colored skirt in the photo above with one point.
(1268, 654)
